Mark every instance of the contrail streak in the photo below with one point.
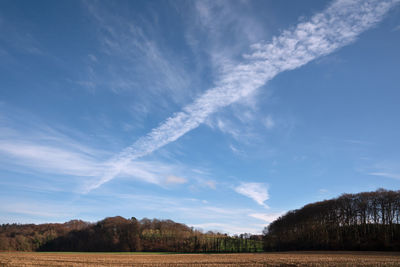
(338, 25)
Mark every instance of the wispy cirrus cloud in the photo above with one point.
(38, 210)
(27, 142)
(129, 47)
(172, 179)
(226, 127)
(388, 168)
(269, 122)
(38, 148)
(240, 129)
(256, 191)
(397, 28)
(386, 174)
(216, 18)
(16, 36)
(338, 25)
(50, 159)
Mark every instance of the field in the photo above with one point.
(197, 260)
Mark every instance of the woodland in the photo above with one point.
(363, 221)
(117, 234)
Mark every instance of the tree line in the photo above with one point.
(125, 235)
(363, 221)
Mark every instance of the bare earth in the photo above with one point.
(196, 260)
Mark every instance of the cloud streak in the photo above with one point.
(256, 191)
(386, 174)
(338, 25)
(138, 52)
(48, 151)
(268, 218)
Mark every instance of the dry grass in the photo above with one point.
(198, 260)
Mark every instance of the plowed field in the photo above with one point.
(197, 260)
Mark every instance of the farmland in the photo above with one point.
(198, 260)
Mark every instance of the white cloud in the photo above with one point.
(211, 184)
(50, 159)
(49, 211)
(269, 122)
(256, 191)
(92, 58)
(226, 127)
(236, 150)
(323, 191)
(132, 49)
(172, 179)
(15, 36)
(335, 27)
(386, 174)
(34, 145)
(267, 217)
(388, 168)
(216, 18)
(220, 210)
(228, 228)
(46, 150)
(240, 129)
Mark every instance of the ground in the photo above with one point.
(197, 260)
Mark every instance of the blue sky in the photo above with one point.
(218, 114)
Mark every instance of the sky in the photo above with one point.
(222, 115)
